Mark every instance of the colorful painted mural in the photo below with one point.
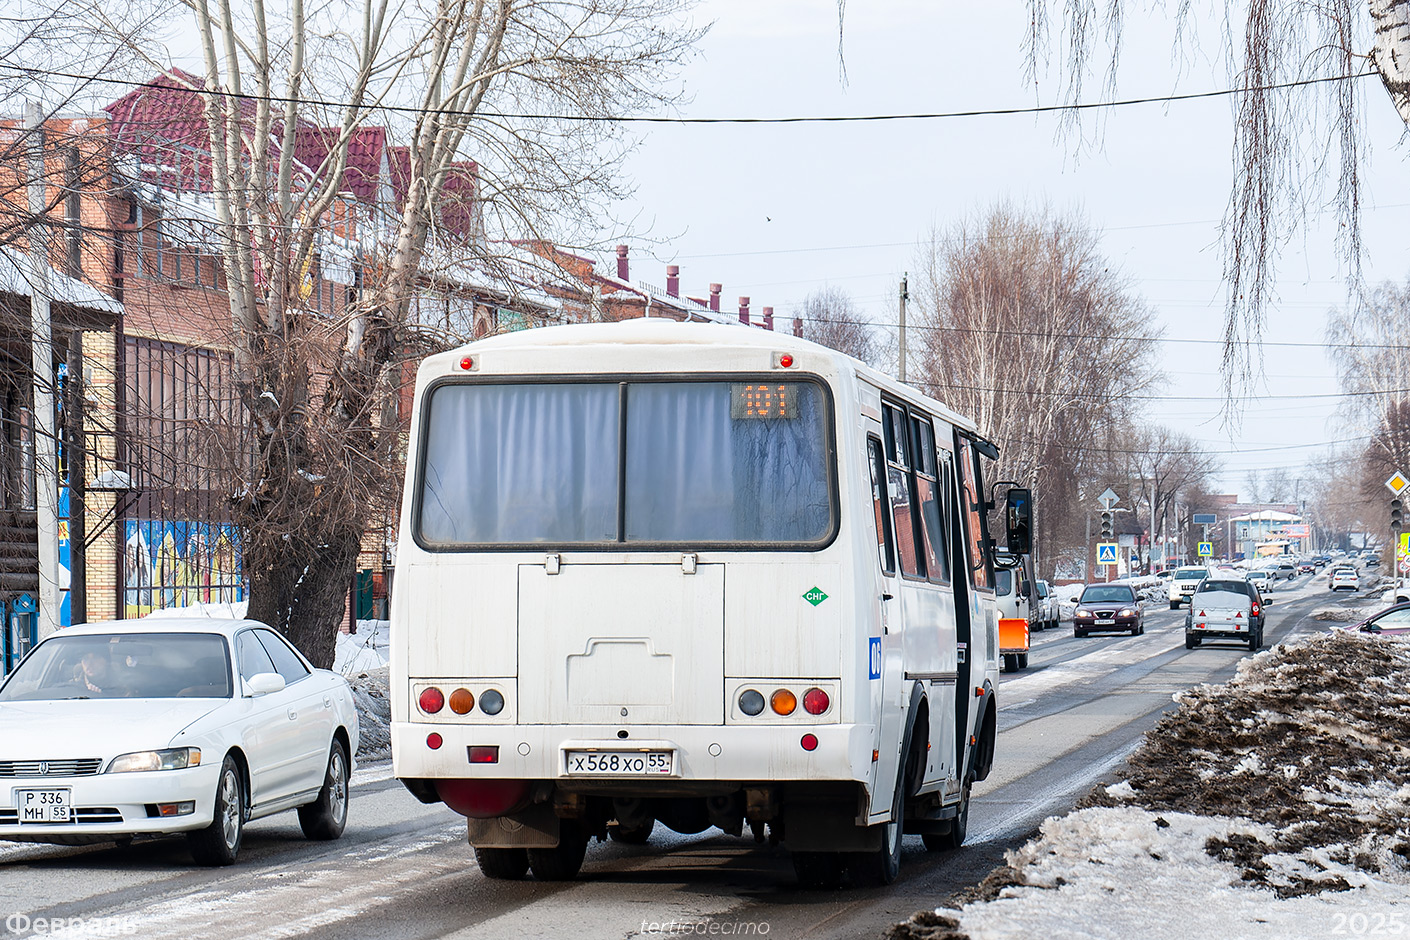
(177, 564)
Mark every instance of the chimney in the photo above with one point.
(768, 318)
(798, 327)
(673, 280)
(744, 310)
(715, 296)
(623, 268)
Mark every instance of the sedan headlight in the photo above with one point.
(1082, 612)
(175, 758)
(1127, 612)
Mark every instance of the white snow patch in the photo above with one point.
(1119, 873)
(235, 611)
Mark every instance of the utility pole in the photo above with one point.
(905, 295)
(46, 465)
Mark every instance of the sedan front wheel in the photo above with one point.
(326, 816)
(219, 843)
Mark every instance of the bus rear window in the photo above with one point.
(694, 463)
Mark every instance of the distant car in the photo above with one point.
(157, 727)
(1345, 578)
(1225, 608)
(1332, 571)
(1306, 567)
(1047, 614)
(1284, 569)
(1373, 562)
(1183, 583)
(1108, 607)
(1263, 579)
(1393, 621)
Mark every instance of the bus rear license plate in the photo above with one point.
(622, 763)
(43, 806)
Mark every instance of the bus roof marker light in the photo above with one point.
(783, 360)
(469, 364)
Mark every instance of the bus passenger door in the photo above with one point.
(886, 651)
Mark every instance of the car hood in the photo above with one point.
(94, 727)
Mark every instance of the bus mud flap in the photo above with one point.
(828, 827)
(534, 828)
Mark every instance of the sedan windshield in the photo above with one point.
(122, 665)
(1108, 594)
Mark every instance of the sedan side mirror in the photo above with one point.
(263, 683)
(1074, 599)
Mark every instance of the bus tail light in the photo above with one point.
(809, 742)
(751, 702)
(462, 701)
(433, 741)
(484, 754)
(783, 702)
(431, 700)
(815, 701)
(491, 702)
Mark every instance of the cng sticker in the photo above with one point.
(874, 657)
(814, 596)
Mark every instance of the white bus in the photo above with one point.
(696, 575)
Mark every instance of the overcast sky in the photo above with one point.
(773, 212)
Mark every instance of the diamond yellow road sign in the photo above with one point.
(1397, 482)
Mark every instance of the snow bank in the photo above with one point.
(1127, 872)
(1274, 805)
(364, 650)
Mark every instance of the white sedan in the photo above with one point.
(153, 727)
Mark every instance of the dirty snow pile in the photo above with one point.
(1276, 805)
(374, 714)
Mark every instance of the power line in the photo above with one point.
(1166, 398)
(658, 119)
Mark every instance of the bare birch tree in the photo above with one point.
(1024, 328)
(830, 318)
(1292, 142)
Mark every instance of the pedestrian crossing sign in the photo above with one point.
(1206, 549)
(1106, 553)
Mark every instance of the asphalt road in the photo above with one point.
(403, 870)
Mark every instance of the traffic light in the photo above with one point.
(1395, 514)
(1106, 525)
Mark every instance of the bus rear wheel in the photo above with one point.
(563, 861)
(503, 864)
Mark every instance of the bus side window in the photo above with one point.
(885, 544)
(900, 487)
(929, 493)
(972, 513)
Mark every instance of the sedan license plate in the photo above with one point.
(43, 806)
(1106, 620)
(622, 763)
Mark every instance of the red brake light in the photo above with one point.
(815, 701)
(809, 742)
(484, 754)
(432, 700)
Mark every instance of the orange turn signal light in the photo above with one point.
(783, 702)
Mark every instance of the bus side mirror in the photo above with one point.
(1025, 588)
(1019, 516)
